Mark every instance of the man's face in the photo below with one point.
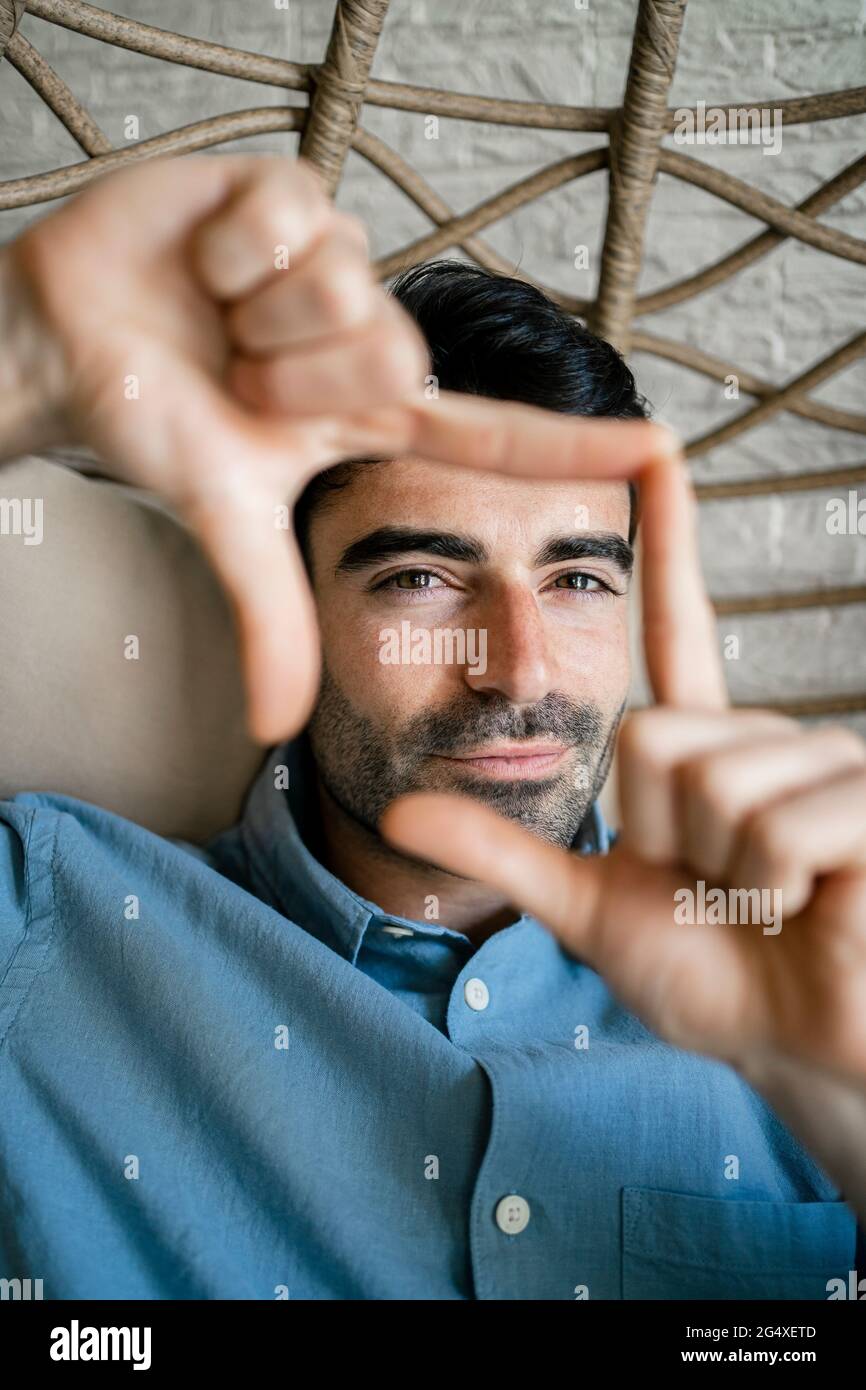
(474, 636)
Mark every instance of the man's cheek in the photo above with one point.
(595, 663)
(350, 643)
(400, 691)
(384, 666)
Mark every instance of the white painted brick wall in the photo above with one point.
(775, 319)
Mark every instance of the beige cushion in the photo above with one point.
(160, 739)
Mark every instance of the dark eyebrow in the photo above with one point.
(388, 541)
(587, 545)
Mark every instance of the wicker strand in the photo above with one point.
(697, 360)
(788, 603)
(826, 707)
(56, 95)
(635, 144)
(761, 205)
(825, 197)
(10, 17)
(340, 84)
(842, 357)
(409, 181)
(824, 478)
(116, 29)
(201, 135)
(453, 231)
(823, 707)
(101, 24)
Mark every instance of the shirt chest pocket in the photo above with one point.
(680, 1247)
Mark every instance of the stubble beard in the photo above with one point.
(363, 771)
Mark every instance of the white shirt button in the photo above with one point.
(399, 931)
(512, 1214)
(476, 994)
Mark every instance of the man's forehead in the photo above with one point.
(416, 492)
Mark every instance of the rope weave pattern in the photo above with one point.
(635, 141)
(329, 126)
(340, 84)
(10, 14)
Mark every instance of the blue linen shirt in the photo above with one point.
(223, 1074)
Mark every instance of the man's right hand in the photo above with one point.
(211, 327)
(143, 299)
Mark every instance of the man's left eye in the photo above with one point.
(585, 583)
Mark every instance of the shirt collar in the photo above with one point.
(282, 808)
(281, 800)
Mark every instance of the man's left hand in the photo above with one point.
(712, 798)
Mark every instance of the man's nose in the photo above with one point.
(519, 664)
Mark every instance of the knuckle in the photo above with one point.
(839, 739)
(708, 780)
(36, 257)
(396, 359)
(766, 832)
(766, 721)
(489, 444)
(242, 320)
(279, 180)
(417, 357)
(633, 734)
(261, 383)
(275, 384)
(341, 292)
(351, 228)
(274, 212)
(643, 737)
(270, 218)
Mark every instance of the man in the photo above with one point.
(335, 1053)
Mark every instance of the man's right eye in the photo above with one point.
(411, 579)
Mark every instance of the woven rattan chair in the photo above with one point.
(630, 149)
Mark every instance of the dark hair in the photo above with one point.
(493, 335)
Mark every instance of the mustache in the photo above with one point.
(472, 720)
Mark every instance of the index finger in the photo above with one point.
(505, 437)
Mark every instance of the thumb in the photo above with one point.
(457, 833)
(262, 572)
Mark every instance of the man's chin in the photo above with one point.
(549, 807)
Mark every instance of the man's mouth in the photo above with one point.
(510, 761)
